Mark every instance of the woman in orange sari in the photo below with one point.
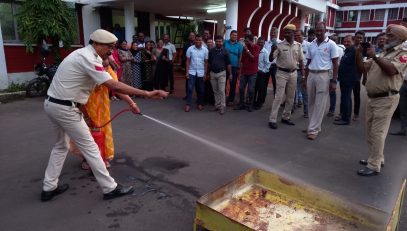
(98, 112)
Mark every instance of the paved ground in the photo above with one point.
(170, 170)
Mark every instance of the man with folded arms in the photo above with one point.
(76, 77)
(385, 76)
(322, 56)
(289, 55)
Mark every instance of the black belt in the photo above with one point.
(62, 102)
(216, 72)
(318, 71)
(381, 95)
(286, 70)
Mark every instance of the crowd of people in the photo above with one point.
(304, 73)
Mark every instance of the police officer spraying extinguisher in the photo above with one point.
(76, 77)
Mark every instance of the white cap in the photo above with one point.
(103, 36)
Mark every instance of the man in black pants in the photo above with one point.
(359, 38)
(263, 76)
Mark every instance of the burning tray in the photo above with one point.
(259, 200)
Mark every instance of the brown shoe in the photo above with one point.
(200, 107)
(312, 136)
(187, 108)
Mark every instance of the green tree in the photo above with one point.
(49, 20)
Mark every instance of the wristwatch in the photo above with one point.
(376, 56)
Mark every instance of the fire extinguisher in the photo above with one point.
(99, 136)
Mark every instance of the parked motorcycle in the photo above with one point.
(39, 86)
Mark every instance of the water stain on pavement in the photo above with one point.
(167, 165)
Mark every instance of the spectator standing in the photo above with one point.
(348, 75)
(125, 57)
(322, 56)
(250, 65)
(196, 70)
(235, 49)
(269, 46)
(172, 53)
(299, 37)
(332, 94)
(218, 63)
(263, 76)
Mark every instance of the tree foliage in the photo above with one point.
(49, 20)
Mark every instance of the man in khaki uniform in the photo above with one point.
(76, 77)
(385, 77)
(289, 55)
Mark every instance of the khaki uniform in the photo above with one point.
(288, 56)
(74, 80)
(380, 109)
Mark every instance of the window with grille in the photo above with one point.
(365, 15)
(379, 15)
(393, 13)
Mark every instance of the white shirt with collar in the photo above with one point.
(321, 56)
(304, 46)
(171, 50)
(264, 62)
(269, 45)
(77, 75)
(197, 57)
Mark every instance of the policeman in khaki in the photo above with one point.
(385, 73)
(289, 56)
(76, 77)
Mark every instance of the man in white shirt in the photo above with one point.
(332, 94)
(269, 45)
(263, 76)
(76, 77)
(196, 70)
(322, 56)
(301, 91)
(172, 54)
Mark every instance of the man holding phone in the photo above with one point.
(386, 72)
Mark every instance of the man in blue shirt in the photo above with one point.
(348, 76)
(235, 50)
(196, 69)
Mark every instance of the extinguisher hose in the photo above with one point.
(114, 117)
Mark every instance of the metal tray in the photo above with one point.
(259, 200)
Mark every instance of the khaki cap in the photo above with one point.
(103, 36)
(290, 27)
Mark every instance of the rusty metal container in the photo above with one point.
(264, 201)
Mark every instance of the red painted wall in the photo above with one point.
(245, 8)
(348, 24)
(371, 24)
(18, 60)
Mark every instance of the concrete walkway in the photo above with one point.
(170, 170)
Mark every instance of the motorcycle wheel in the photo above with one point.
(37, 88)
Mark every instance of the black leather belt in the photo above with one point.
(318, 71)
(63, 102)
(216, 71)
(286, 70)
(381, 95)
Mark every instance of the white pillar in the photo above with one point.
(129, 20)
(231, 16)
(152, 26)
(358, 19)
(302, 21)
(321, 17)
(220, 26)
(91, 21)
(386, 17)
(3, 67)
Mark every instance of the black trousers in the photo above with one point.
(356, 98)
(260, 90)
(171, 77)
(273, 71)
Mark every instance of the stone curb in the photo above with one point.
(11, 96)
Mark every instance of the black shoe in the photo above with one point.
(341, 122)
(119, 191)
(239, 107)
(367, 172)
(399, 133)
(288, 122)
(250, 109)
(364, 162)
(273, 125)
(48, 195)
